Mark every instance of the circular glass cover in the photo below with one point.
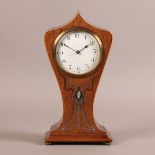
(78, 52)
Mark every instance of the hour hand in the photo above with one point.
(69, 47)
(84, 47)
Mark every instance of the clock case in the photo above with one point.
(78, 91)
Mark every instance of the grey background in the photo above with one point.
(30, 99)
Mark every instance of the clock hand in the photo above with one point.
(69, 47)
(84, 47)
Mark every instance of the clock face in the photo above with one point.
(78, 52)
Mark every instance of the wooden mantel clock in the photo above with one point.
(78, 52)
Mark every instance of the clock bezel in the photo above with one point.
(93, 70)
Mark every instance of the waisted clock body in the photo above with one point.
(78, 52)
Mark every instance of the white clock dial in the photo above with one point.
(78, 52)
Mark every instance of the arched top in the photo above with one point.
(78, 21)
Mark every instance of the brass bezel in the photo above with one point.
(72, 74)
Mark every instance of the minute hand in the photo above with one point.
(69, 47)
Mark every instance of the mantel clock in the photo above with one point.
(77, 53)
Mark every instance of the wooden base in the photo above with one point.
(79, 138)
